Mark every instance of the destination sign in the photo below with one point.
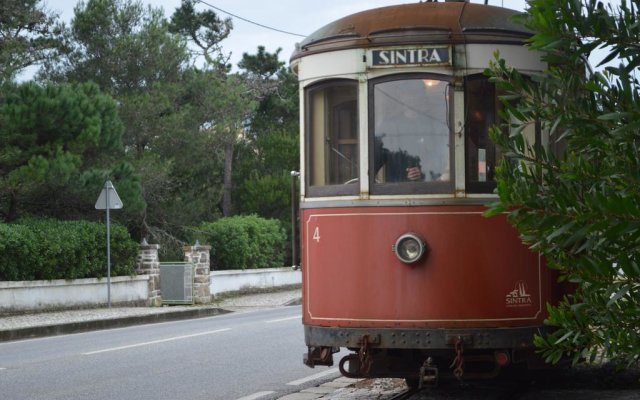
(411, 56)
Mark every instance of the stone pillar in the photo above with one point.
(149, 264)
(198, 255)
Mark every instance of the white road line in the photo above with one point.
(283, 319)
(313, 377)
(155, 342)
(255, 396)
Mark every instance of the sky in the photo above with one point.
(301, 17)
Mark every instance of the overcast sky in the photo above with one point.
(296, 16)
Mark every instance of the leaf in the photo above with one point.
(564, 337)
(609, 57)
(619, 294)
(552, 131)
(494, 209)
(631, 128)
(563, 229)
(614, 116)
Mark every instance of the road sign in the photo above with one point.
(114, 200)
(108, 200)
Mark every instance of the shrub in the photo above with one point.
(243, 242)
(18, 253)
(34, 249)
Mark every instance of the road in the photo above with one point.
(223, 357)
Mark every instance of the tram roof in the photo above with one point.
(418, 23)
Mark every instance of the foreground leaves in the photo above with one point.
(576, 199)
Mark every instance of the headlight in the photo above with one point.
(409, 248)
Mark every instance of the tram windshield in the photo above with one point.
(411, 136)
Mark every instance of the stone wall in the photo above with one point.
(149, 264)
(198, 255)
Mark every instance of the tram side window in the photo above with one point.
(332, 138)
(481, 153)
(410, 135)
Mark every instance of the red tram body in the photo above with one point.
(402, 269)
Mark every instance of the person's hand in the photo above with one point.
(414, 173)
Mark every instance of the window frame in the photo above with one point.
(485, 187)
(410, 188)
(471, 185)
(329, 189)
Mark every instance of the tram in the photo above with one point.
(399, 264)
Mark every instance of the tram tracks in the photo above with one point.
(476, 390)
(407, 394)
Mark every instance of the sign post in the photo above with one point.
(107, 200)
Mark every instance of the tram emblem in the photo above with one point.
(518, 297)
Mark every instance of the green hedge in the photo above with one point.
(47, 249)
(243, 242)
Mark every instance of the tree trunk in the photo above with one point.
(12, 211)
(226, 193)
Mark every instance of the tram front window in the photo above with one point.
(411, 136)
(332, 138)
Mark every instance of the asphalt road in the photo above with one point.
(223, 357)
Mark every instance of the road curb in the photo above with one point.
(99, 324)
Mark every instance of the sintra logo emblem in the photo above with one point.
(518, 297)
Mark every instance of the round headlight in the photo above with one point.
(409, 248)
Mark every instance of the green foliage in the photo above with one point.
(17, 248)
(578, 201)
(36, 249)
(243, 242)
(263, 174)
(205, 29)
(183, 169)
(57, 144)
(122, 46)
(28, 35)
(262, 65)
(276, 90)
(271, 149)
(229, 111)
(266, 164)
(266, 195)
(177, 119)
(169, 138)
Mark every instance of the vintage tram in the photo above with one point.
(399, 264)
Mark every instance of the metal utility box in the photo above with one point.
(176, 283)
